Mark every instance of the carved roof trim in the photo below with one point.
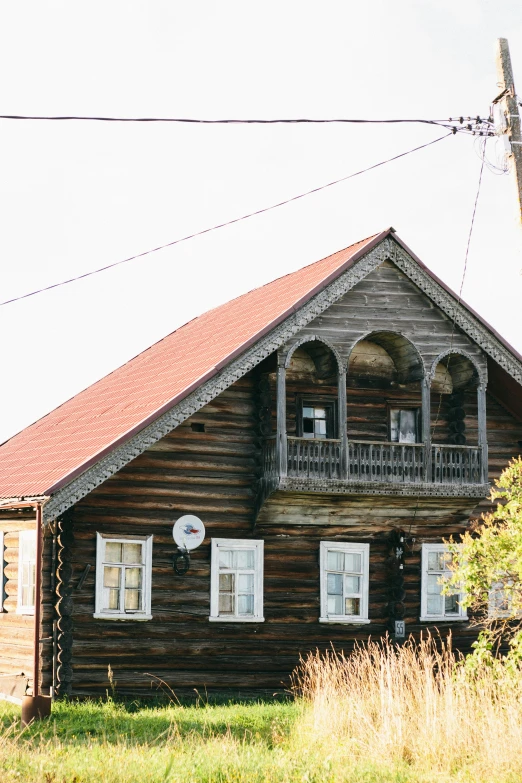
(389, 248)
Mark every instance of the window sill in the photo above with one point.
(124, 617)
(345, 621)
(442, 619)
(236, 619)
(29, 610)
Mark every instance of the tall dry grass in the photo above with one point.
(414, 706)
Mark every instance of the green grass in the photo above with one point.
(130, 742)
(255, 742)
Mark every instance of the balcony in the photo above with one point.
(391, 463)
(380, 422)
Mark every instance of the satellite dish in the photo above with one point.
(188, 532)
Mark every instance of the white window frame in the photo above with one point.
(104, 614)
(341, 546)
(23, 537)
(237, 543)
(499, 613)
(462, 616)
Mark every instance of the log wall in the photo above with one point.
(213, 474)
(209, 466)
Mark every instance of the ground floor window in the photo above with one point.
(236, 590)
(26, 571)
(344, 582)
(123, 577)
(436, 570)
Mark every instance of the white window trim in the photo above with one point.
(499, 613)
(101, 539)
(24, 535)
(430, 618)
(362, 549)
(236, 543)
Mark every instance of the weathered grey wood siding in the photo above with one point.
(213, 474)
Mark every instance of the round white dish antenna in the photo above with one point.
(188, 532)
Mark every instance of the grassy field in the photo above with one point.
(384, 714)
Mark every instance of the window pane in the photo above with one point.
(434, 587)
(335, 561)
(29, 548)
(437, 561)
(245, 558)
(28, 596)
(133, 577)
(320, 413)
(226, 583)
(246, 583)
(133, 600)
(27, 568)
(352, 606)
(335, 604)
(451, 605)
(352, 562)
(320, 428)
(435, 604)
(394, 425)
(407, 428)
(245, 604)
(308, 427)
(225, 558)
(112, 552)
(132, 553)
(226, 603)
(352, 584)
(308, 413)
(334, 584)
(111, 577)
(113, 599)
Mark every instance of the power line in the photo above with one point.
(477, 123)
(459, 299)
(227, 223)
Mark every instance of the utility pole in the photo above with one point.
(507, 111)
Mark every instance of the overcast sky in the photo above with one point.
(76, 196)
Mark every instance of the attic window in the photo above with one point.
(197, 427)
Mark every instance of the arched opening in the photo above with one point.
(454, 412)
(384, 390)
(312, 392)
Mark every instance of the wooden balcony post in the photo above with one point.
(341, 413)
(482, 433)
(426, 428)
(281, 449)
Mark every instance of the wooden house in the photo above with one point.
(330, 429)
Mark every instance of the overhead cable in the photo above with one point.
(227, 223)
(477, 125)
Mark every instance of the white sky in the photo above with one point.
(75, 196)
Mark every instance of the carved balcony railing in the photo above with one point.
(395, 463)
(310, 458)
(390, 462)
(456, 464)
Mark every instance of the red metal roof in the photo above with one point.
(61, 445)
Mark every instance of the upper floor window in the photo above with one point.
(344, 582)
(316, 420)
(404, 425)
(26, 571)
(236, 590)
(436, 570)
(123, 577)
